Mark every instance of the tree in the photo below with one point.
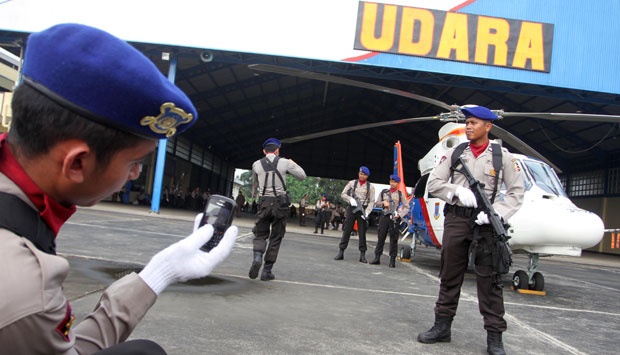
(246, 185)
(313, 186)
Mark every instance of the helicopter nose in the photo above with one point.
(549, 225)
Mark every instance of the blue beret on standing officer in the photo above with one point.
(90, 108)
(395, 177)
(480, 112)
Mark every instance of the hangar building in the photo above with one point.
(529, 56)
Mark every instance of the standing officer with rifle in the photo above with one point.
(395, 207)
(360, 194)
(468, 225)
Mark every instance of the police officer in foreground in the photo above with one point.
(89, 109)
(360, 194)
(273, 206)
(462, 220)
(394, 206)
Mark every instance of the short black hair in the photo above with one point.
(38, 124)
(270, 148)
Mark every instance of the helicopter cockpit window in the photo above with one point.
(544, 177)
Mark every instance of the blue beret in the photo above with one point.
(480, 112)
(395, 177)
(105, 79)
(273, 141)
(365, 170)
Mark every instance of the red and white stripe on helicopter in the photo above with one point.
(548, 222)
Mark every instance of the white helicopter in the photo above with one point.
(541, 226)
(538, 229)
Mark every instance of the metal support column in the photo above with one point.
(161, 150)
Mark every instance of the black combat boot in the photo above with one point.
(256, 264)
(392, 261)
(267, 275)
(376, 260)
(340, 255)
(495, 346)
(440, 332)
(363, 257)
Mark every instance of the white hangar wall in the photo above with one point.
(583, 46)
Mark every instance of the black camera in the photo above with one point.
(219, 213)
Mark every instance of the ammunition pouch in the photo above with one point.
(285, 200)
(502, 257)
(495, 253)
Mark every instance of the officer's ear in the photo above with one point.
(488, 125)
(78, 160)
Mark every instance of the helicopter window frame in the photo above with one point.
(544, 177)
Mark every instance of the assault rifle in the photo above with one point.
(391, 211)
(502, 255)
(359, 207)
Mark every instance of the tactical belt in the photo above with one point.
(459, 211)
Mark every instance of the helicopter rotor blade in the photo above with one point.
(344, 81)
(520, 145)
(454, 112)
(562, 116)
(356, 128)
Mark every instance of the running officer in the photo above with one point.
(273, 206)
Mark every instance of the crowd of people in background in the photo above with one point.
(189, 199)
(331, 217)
(172, 197)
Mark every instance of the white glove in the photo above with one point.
(184, 260)
(482, 218)
(352, 202)
(466, 196)
(197, 221)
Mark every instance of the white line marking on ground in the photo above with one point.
(126, 229)
(569, 349)
(512, 319)
(339, 287)
(108, 220)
